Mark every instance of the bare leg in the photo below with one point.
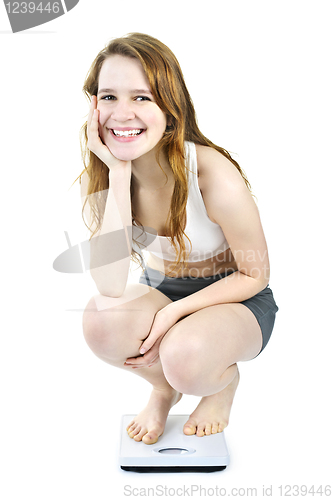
(115, 334)
(214, 339)
(213, 412)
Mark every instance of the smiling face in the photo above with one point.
(131, 123)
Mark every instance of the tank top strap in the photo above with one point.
(191, 160)
(194, 193)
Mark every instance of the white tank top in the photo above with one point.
(207, 237)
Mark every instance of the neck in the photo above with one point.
(147, 174)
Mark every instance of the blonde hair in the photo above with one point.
(171, 95)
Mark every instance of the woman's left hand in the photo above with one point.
(149, 350)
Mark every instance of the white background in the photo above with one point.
(260, 75)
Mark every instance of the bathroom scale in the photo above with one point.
(174, 451)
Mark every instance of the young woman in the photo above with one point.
(153, 181)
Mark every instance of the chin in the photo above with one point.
(125, 155)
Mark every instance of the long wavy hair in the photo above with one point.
(171, 95)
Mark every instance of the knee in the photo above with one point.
(116, 327)
(104, 330)
(181, 358)
(94, 325)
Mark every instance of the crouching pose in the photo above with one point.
(154, 184)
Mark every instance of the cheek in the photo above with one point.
(157, 120)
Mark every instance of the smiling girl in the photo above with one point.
(153, 182)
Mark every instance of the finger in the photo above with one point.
(136, 361)
(93, 106)
(93, 121)
(142, 360)
(92, 124)
(156, 334)
(147, 364)
(133, 361)
(153, 340)
(149, 342)
(137, 364)
(94, 140)
(154, 361)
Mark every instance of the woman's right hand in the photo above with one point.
(95, 143)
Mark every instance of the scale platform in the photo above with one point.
(174, 451)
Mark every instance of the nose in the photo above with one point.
(122, 111)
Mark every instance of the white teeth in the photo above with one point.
(127, 133)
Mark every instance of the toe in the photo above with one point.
(150, 437)
(140, 434)
(131, 427)
(189, 428)
(201, 430)
(222, 426)
(131, 424)
(208, 429)
(215, 428)
(134, 430)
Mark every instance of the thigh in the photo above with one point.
(216, 336)
(121, 323)
(264, 308)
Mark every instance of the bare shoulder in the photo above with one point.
(206, 153)
(217, 172)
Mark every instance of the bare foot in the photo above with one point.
(212, 413)
(150, 423)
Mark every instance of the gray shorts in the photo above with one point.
(262, 304)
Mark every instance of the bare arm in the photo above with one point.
(111, 245)
(230, 204)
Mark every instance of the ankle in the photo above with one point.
(166, 389)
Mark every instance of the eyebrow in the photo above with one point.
(134, 91)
